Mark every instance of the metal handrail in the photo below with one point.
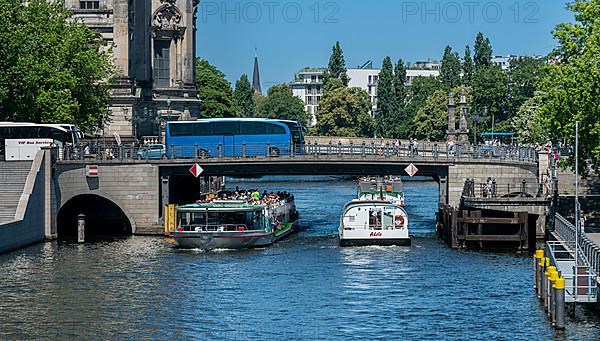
(562, 251)
(216, 228)
(435, 151)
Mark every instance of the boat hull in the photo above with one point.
(375, 242)
(229, 240)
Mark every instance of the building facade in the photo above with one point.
(153, 50)
(308, 86)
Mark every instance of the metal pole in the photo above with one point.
(576, 207)
(559, 291)
(81, 228)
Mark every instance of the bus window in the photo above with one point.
(182, 129)
(252, 128)
(203, 129)
(226, 128)
(275, 129)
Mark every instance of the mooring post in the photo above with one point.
(81, 228)
(539, 254)
(559, 299)
(547, 286)
(551, 311)
(544, 281)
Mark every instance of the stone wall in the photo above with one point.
(135, 189)
(457, 174)
(31, 219)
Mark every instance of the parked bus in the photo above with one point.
(21, 140)
(230, 137)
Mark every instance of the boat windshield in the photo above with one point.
(250, 220)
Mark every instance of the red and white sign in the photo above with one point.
(196, 170)
(411, 170)
(91, 171)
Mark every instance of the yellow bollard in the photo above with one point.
(539, 254)
(552, 276)
(559, 299)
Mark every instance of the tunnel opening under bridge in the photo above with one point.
(103, 218)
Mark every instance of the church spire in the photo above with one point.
(256, 76)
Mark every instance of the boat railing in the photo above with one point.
(215, 228)
(353, 227)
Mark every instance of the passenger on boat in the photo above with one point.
(256, 196)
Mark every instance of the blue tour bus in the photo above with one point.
(230, 137)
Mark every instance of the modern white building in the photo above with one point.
(503, 61)
(308, 86)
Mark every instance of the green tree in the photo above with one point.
(450, 72)
(490, 90)
(528, 124)
(243, 97)
(483, 52)
(431, 119)
(385, 117)
(569, 91)
(345, 112)
(52, 69)
(524, 74)
(215, 91)
(336, 67)
(400, 89)
(420, 89)
(468, 67)
(280, 103)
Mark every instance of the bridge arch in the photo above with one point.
(104, 216)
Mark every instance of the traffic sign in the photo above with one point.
(196, 170)
(411, 170)
(91, 171)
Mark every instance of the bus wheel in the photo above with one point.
(202, 154)
(274, 152)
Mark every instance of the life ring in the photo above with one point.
(399, 221)
(241, 228)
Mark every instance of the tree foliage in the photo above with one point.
(336, 67)
(420, 89)
(524, 75)
(52, 69)
(468, 67)
(431, 120)
(280, 103)
(483, 52)
(400, 89)
(450, 72)
(528, 124)
(215, 91)
(345, 112)
(385, 116)
(243, 97)
(491, 91)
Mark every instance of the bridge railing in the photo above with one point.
(363, 150)
(472, 189)
(589, 252)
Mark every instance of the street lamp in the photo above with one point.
(476, 118)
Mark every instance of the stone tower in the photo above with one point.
(451, 132)
(153, 47)
(463, 131)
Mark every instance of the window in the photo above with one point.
(181, 129)
(89, 4)
(308, 100)
(252, 128)
(275, 129)
(204, 129)
(227, 128)
(162, 63)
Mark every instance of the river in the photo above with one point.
(303, 288)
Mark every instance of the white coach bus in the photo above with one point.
(21, 140)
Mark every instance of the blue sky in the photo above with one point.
(290, 35)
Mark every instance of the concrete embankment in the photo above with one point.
(25, 202)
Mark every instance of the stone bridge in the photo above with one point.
(137, 190)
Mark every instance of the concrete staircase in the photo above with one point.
(13, 176)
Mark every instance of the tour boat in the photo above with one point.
(377, 216)
(235, 221)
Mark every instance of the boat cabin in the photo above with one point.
(221, 217)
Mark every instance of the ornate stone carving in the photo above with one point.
(168, 19)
